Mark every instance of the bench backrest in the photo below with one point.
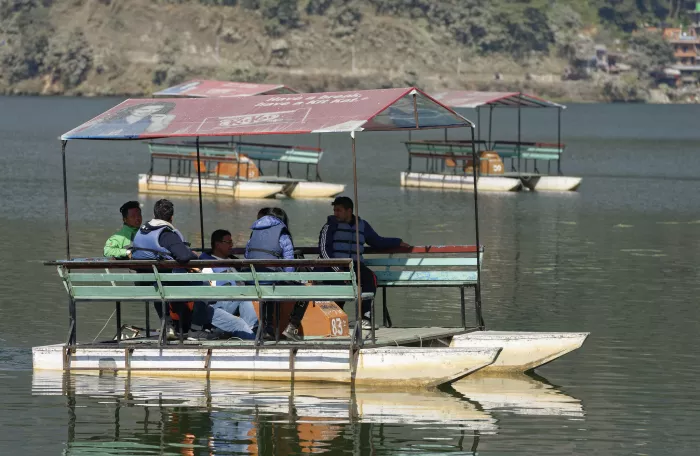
(435, 266)
(122, 285)
(265, 152)
(529, 151)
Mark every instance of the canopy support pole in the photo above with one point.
(559, 139)
(477, 291)
(519, 105)
(478, 124)
(358, 302)
(199, 183)
(65, 197)
(490, 125)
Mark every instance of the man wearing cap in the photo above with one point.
(118, 245)
(338, 239)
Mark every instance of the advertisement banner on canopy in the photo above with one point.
(384, 109)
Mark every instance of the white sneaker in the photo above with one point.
(366, 324)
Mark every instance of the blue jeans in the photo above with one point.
(240, 327)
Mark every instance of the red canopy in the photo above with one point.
(199, 88)
(364, 110)
(474, 99)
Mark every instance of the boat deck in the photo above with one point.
(384, 337)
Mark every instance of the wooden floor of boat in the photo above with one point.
(384, 337)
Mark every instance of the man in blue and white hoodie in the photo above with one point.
(243, 327)
(338, 238)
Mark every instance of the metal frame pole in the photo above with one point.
(72, 319)
(199, 183)
(559, 139)
(65, 197)
(490, 124)
(358, 302)
(478, 125)
(519, 109)
(477, 291)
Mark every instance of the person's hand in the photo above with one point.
(404, 245)
(128, 253)
(197, 254)
(194, 270)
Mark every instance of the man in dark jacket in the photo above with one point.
(338, 238)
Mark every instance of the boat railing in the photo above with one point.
(122, 281)
(524, 150)
(425, 266)
(215, 152)
(440, 154)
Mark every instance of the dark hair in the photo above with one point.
(263, 212)
(218, 236)
(163, 210)
(127, 206)
(343, 201)
(280, 214)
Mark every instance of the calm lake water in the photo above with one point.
(620, 258)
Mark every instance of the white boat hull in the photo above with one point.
(551, 183)
(521, 351)
(460, 182)
(216, 187)
(301, 190)
(404, 366)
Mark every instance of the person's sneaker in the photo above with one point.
(170, 333)
(208, 335)
(366, 324)
(291, 332)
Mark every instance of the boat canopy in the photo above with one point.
(201, 88)
(330, 112)
(475, 99)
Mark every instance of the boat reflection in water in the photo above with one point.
(518, 394)
(196, 416)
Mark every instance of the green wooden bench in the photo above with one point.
(114, 283)
(437, 151)
(220, 151)
(426, 266)
(418, 266)
(530, 151)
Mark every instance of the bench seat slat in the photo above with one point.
(431, 284)
(204, 293)
(426, 276)
(420, 261)
(201, 277)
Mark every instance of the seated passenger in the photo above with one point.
(272, 240)
(160, 240)
(337, 240)
(245, 325)
(118, 244)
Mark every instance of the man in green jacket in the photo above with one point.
(117, 246)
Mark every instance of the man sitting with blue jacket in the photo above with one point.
(338, 239)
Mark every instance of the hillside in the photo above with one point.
(134, 47)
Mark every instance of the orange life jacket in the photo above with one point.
(175, 316)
